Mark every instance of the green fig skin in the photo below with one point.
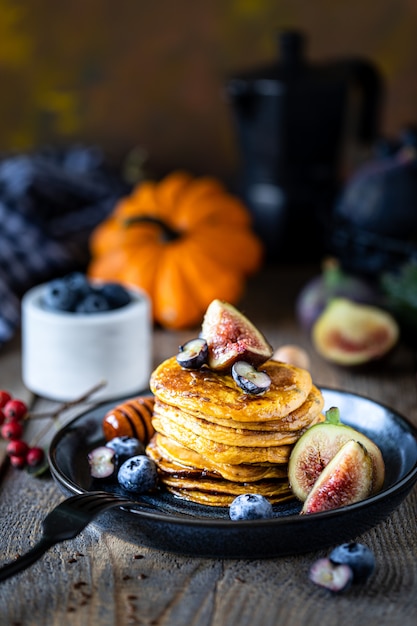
(317, 447)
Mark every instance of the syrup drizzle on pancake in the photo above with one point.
(214, 442)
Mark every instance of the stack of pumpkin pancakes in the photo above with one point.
(213, 441)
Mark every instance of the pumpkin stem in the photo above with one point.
(168, 233)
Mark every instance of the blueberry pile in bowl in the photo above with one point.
(78, 333)
(74, 293)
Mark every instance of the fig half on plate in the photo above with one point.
(319, 445)
(348, 333)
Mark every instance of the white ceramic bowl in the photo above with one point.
(66, 354)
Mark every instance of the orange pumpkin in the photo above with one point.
(184, 240)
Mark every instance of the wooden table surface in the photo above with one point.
(100, 578)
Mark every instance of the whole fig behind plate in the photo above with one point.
(331, 283)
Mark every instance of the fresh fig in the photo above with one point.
(348, 333)
(318, 446)
(346, 479)
(231, 337)
(333, 282)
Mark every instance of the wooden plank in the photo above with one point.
(105, 577)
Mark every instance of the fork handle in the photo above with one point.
(25, 560)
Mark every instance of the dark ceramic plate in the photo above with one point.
(167, 523)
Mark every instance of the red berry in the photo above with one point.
(2, 417)
(12, 430)
(17, 447)
(15, 410)
(18, 461)
(35, 456)
(4, 397)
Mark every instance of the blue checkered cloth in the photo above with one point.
(49, 204)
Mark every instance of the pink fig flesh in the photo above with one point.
(316, 448)
(346, 479)
(231, 337)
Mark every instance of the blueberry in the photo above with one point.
(58, 296)
(74, 292)
(249, 378)
(250, 506)
(126, 447)
(102, 461)
(193, 354)
(64, 294)
(359, 558)
(93, 302)
(78, 283)
(117, 296)
(138, 474)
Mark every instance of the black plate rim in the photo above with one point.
(404, 484)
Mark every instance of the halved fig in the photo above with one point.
(249, 378)
(193, 354)
(345, 480)
(317, 447)
(232, 337)
(348, 333)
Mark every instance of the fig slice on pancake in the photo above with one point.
(232, 337)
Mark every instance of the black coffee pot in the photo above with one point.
(301, 128)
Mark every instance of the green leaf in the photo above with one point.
(400, 287)
(333, 416)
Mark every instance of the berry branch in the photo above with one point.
(65, 405)
(14, 413)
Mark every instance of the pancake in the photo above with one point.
(172, 457)
(209, 495)
(222, 434)
(210, 487)
(213, 441)
(220, 452)
(266, 488)
(294, 421)
(204, 392)
(248, 433)
(219, 500)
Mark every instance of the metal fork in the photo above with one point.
(64, 522)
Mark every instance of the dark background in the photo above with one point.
(128, 73)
